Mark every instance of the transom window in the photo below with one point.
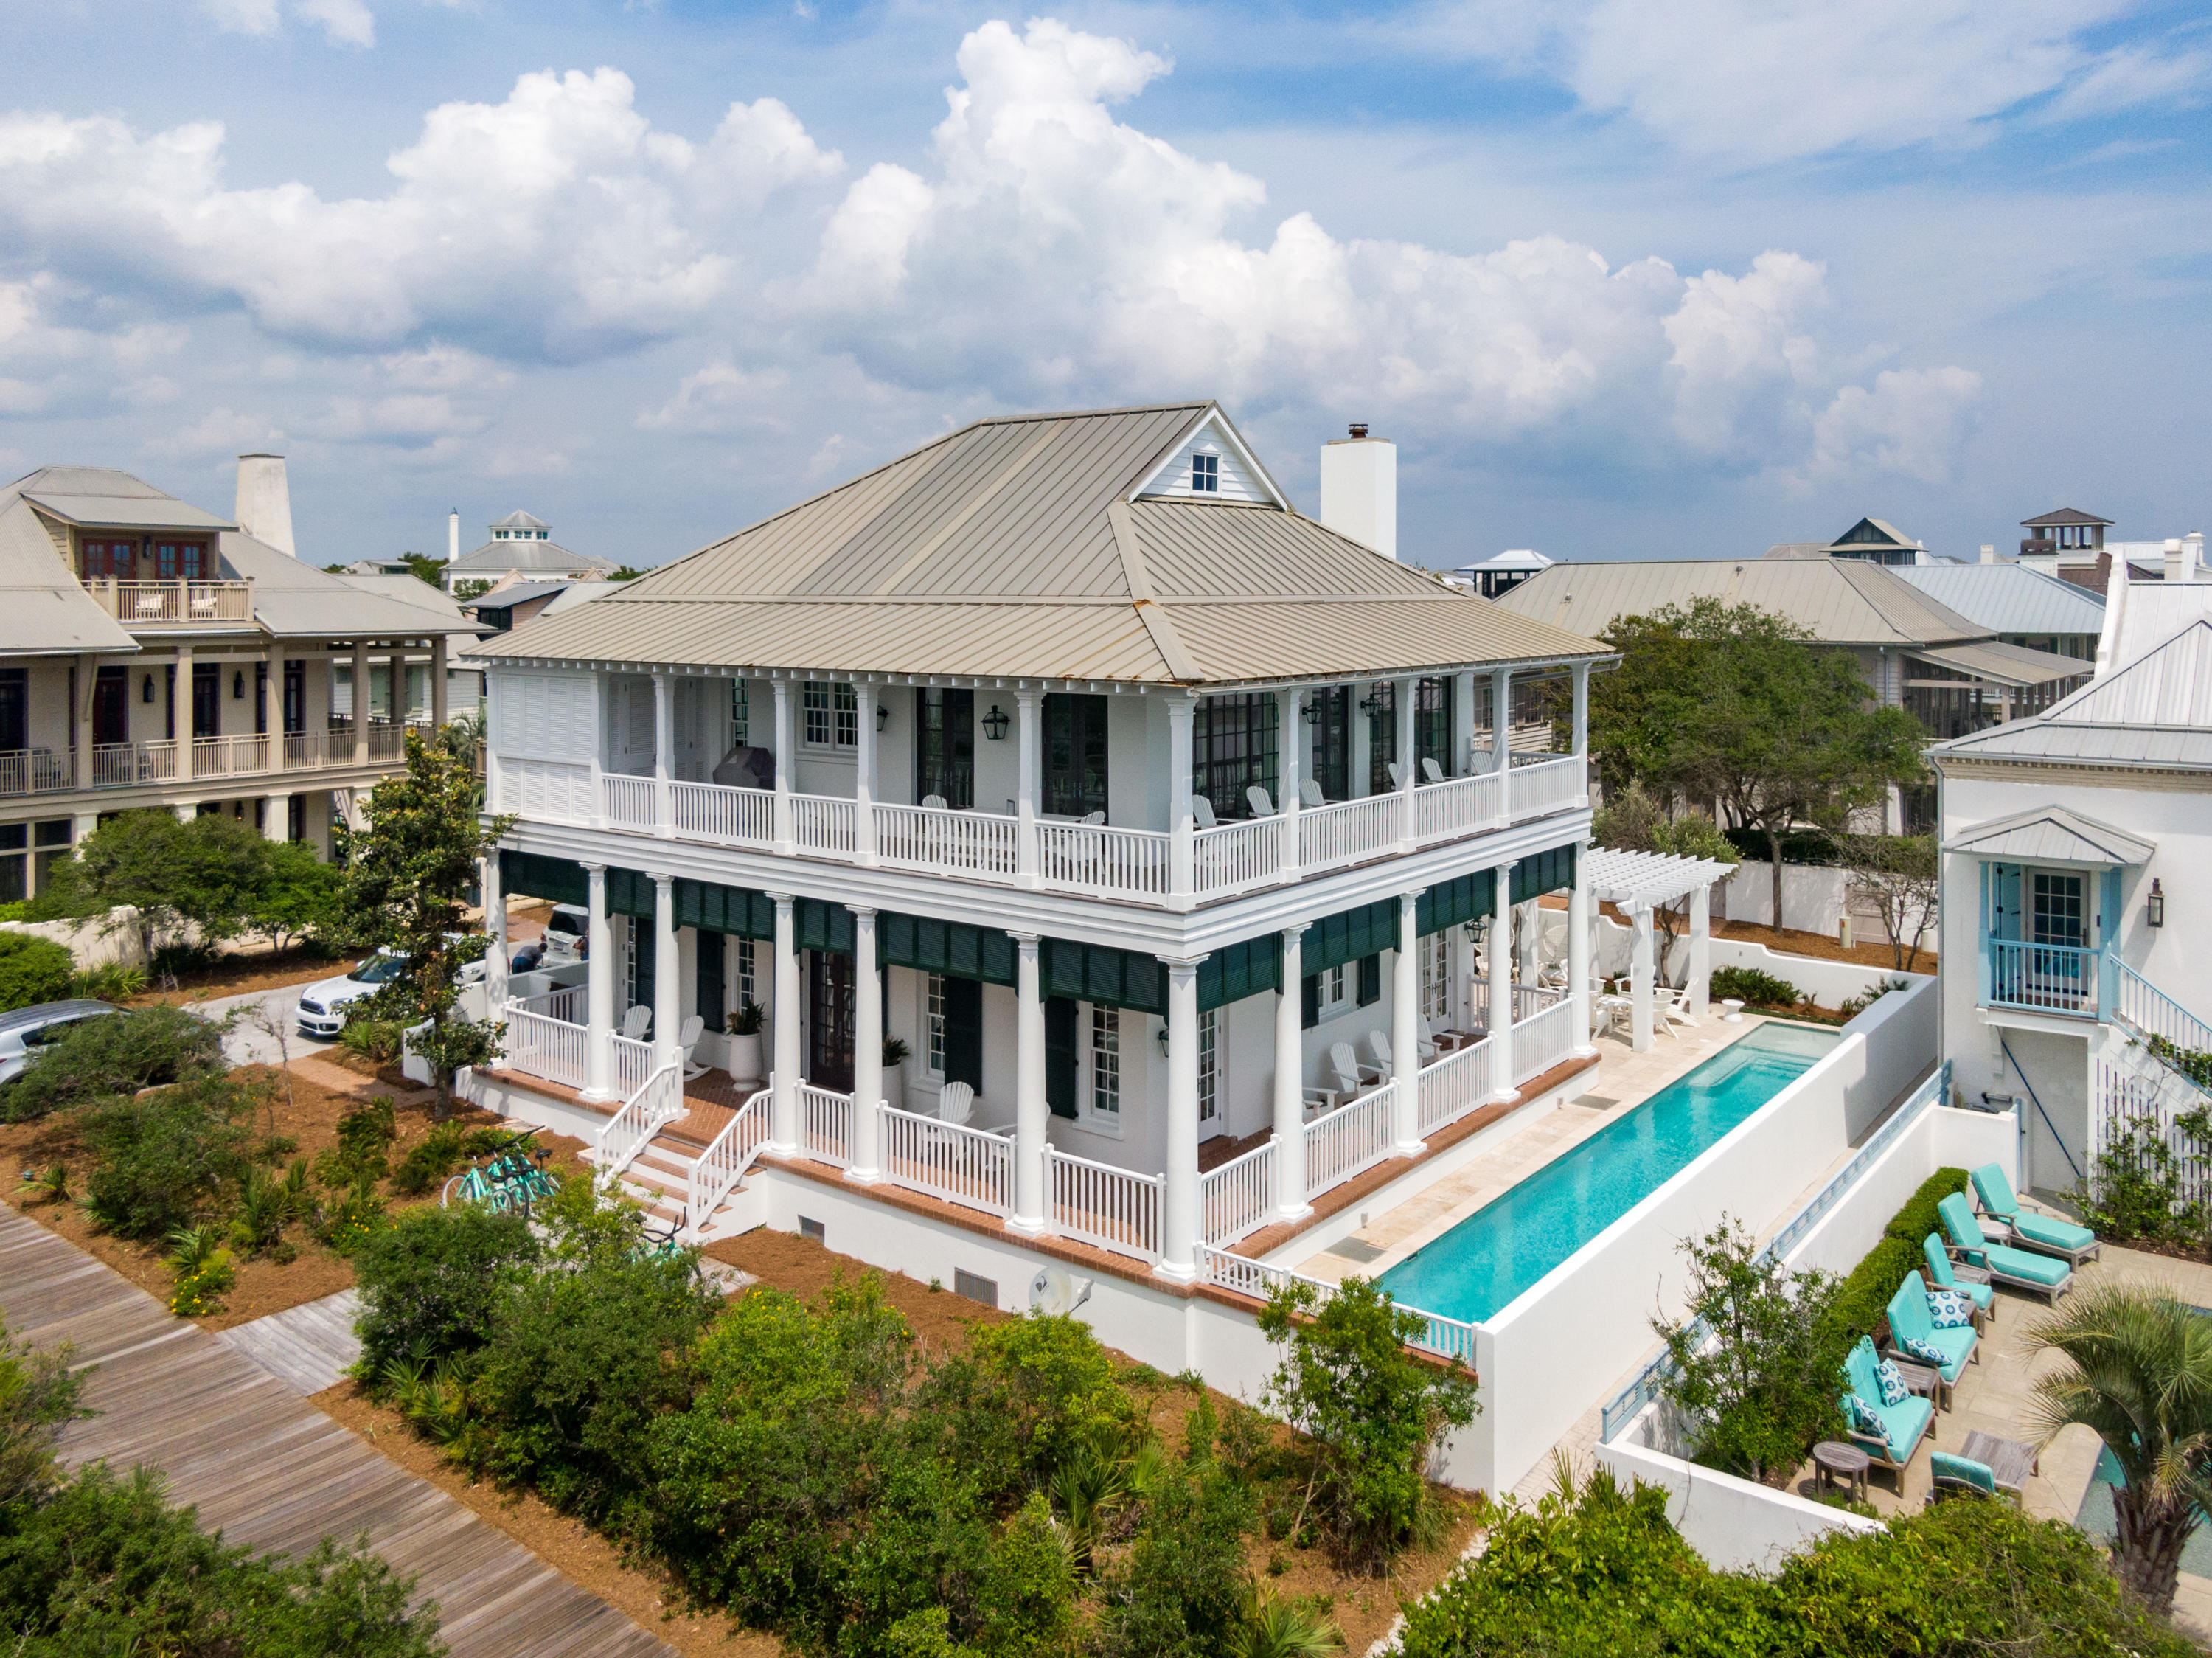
(1106, 1062)
(1206, 474)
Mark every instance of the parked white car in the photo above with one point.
(26, 1030)
(322, 1005)
(567, 933)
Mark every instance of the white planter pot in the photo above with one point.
(745, 1058)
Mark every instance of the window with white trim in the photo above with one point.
(833, 716)
(1436, 975)
(1106, 1063)
(1206, 474)
(932, 1024)
(741, 724)
(1209, 1065)
(1336, 990)
(748, 986)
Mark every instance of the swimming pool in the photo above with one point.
(1476, 1269)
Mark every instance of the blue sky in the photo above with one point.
(1621, 280)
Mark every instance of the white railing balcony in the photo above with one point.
(304, 751)
(34, 772)
(1115, 1209)
(1543, 1040)
(1458, 806)
(1348, 1141)
(1235, 857)
(1546, 784)
(1455, 1085)
(702, 811)
(1348, 832)
(630, 803)
(229, 757)
(541, 1045)
(1237, 1199)
(961, 1164)
(826, 1125)
(1092, 857)
(174, 604)
(633, 1064)
(126, 764)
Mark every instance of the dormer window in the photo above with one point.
(1206, 474)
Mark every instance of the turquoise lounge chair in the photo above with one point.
(1950, 1475)
(2044, 1274)
(2044, 1232)
(1945, 1277)
(1948, 1350)
(1904, 1424)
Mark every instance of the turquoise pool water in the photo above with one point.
(1476, 1269)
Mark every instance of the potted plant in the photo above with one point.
(743, 1026)
(895, 1053)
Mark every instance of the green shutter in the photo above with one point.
(1448, 903)
(534, 875)
(1247, 967)
(951, 948)
(1062, 1066)
(1547, 871)
(1370, 980)
(1349, 934)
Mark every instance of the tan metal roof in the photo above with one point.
(44, 609)
(2004, 664)
(97, 497)
(1012, 548)
(2053, 834)
(292, 599)
(1839, 601)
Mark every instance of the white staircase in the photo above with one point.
(655, 1155)
(2134, 1088)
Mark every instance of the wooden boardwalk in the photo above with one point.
(273, 1471)
(307, 1348)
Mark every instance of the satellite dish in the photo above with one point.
(1056, 1291)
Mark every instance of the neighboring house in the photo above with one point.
(1003, 749)
(463, 684)
(2075, 844)
(2072, 546)
(523, 546)
(152, 654)
(1500, 573)
(2022, 605)
(1871, 540)
(513, 602)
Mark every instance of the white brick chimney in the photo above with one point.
(265, 501)
(453, 535)
(1360, 489)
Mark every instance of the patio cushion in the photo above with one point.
(1959, 1223)
(1865, 1418)
(1859, 1367)
(1902, 1425)
(1940, 1274)
(1891, 1379)
(1950, 1310)
(2045, 1270)
(1943, 1465)
(1914, 1328)
(2052, 1233)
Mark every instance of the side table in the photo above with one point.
(1833, 1459)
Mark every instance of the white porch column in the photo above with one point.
(1029, 735)
(1639, 986)
(1290, 1081)
(1030, 1112)
(664, 749)
(864, 776)
(1582, 709)
(1462, 742)
(783, 1077)
(182, 701)
(866, 1149)
(599, 991)
(1289, 772)
(1579, 915)
(1701, 950)
(360, 703)
(1403, 696)
(1501, 984)
(1405, 1032)
(667, 973)
(1501, 725)
(1180, 1218)
(275, 817)
(786, 752)
(437, 680)
(1182, 826)
(495, 912)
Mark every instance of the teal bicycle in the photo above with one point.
(511, 1177)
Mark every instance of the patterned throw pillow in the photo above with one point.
(1950, 1312)
(1926, 1351)
(1864, 1418)
(1891, 1380)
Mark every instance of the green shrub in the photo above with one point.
(39, 1395)
(1180, 1592)
(182, 958)
(161, 1160)
(1860, 1305)
(429, 1284)
(204, 1272)
(116, 1053)
(1921, 1214)
(104, 1565)
(32, 970)
(431, 1159)
(1023, 1398)
(362, 1153)
(1754, 987)
(356, 1218)
(375, 1039)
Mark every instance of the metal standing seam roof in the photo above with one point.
(1011, 548)
(2170, 685)
(292, 599)
(2003, 664)
(2008, 598)
(529, 558)
(2053, 834)
(44, 608)
(1839, 601)
(2154, 713)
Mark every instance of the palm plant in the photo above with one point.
(2140, 1376)
(1274, 1628)
(49, 1185)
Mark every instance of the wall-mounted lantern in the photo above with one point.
(1164, 1039)
(2157, 906)
(1371, 704)
(883, 714)
(1311, 708)
(995, 722)
(147, 695)
(238, 685)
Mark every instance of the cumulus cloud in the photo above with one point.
(1043, 250)
(1758, 81)
(347, 22)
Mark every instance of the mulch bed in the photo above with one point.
(244, 972)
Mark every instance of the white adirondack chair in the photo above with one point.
(1309, 792)
(1431, 770)
(1256, 798)
(1201, 809)
(637, 1021)
(956, 1104)
(687, 1042)
(1341, 1074)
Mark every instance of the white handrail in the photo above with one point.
(1348, 1141)
(1543, 1040)
(630, 802)
(826, 1125)
(1116, 1209)
(962, 1165)
(1457, 805)
(542, 1046)
(1346, 831)
(1234, 856)
(1552, 785)
(563, 1002)
(633, 1064)
(822, 823)
(1094, 857)
(737, 817)
(659, 1102)
(1448, 1337)
(979, 844)
(1238, 1198)
(1455, 1085)
(719, 1169)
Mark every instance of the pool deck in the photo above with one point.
(1622, 1080)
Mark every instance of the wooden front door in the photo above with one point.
(829, 1021)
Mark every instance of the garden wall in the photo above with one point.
(1735, 1524)
(1545, 1358)
(95, 941)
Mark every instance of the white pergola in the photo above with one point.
(1636, 882)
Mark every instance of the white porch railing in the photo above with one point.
(1529, 1000)
(1238, 1199)
(229, 757)
(1237, 856)
(633, 1064)
(1349, 1140)
(1093, 858)
(1543, 1040)
(820, 824)
(1449, 1338)
(145, 604)
(34, 772)
(1554, 785)
(826, 1125)
(658, 1101)
(565, 1002)
(544, 1046)
(629, 803)
(1347, 830)
(1458, 807)
(962, 1165)
(1455, 1085)
(735, 817)
(1116, 1209)
(978, 845)
(719, 1169)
